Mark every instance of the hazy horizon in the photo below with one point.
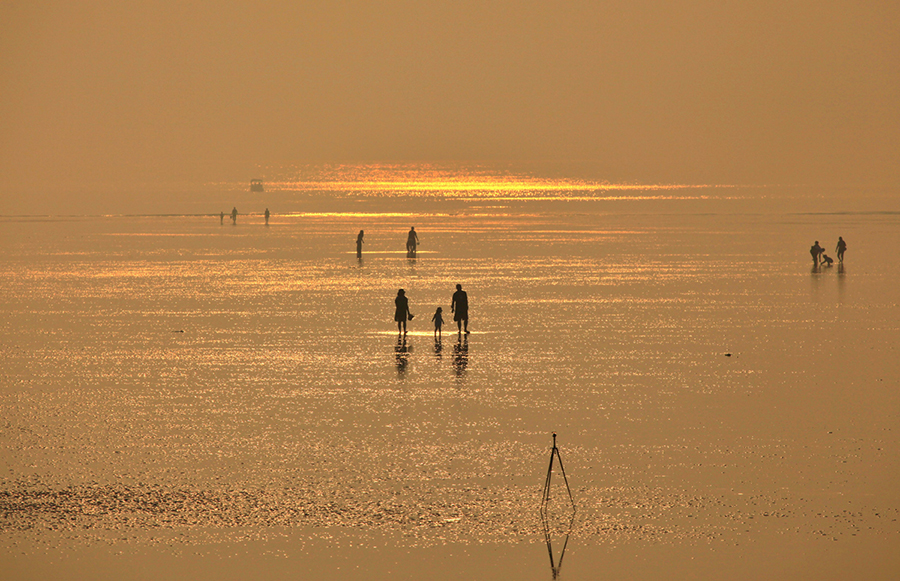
(101, 95)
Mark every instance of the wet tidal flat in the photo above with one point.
(216, 401)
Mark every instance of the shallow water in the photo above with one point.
(174, 385)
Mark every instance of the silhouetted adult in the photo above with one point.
(841, 247)
(221, 217)
(459, 306)
(267, 216)
(359, 243)
(412, 240)
(816, 251)
(234, 215)
(401, 314)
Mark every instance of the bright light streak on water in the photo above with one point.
(175, 373)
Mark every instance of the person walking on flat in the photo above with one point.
(267, 216)
(401, 314)
(234, 215)
(841, 247)
(459, 306)
(438, 319)
(412, 240)
(359, 243)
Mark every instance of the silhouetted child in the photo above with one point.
(438, 319)
(826, 260)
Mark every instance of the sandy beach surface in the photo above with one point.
(184, 399)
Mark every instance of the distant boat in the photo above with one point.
(256, 186)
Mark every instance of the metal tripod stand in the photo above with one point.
(554, 454)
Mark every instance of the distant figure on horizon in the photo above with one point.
(359, 243)
(841, 247)
(827, 260)
(267, 216)
(459, 306)
(222, 218)
(402, 314)
(412, 240)
(234, 215)
(438, 319)
(816, 251)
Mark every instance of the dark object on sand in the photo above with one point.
(256, 186)
(554, 453)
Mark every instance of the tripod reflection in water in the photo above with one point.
(555, 566)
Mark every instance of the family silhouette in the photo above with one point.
(459, 306)
(819, 257)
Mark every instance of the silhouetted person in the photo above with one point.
(221, 217)
(234, 215)
(438, 319)
(816, 251)
(267, 216)
(459, 306)
(401, 314)
(827, 260)
(412, 240)
(359, 243)
(841, 247)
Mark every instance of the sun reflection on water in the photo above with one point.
(472, 182)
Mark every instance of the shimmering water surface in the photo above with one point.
(184, 392)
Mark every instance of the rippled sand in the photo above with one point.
(219, 401)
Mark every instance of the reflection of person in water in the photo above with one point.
(461, 355)
(438, 348)
(402, 355)
(412, 240)
(459, 306)
(401, 314)
(841, 247)
(359, 243)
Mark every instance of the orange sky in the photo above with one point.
(695, 91)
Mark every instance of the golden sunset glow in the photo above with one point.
(312, 289)
(423, 180)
